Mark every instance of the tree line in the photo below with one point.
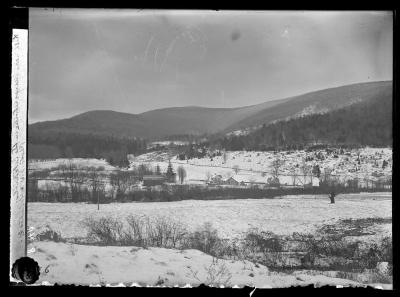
(74, 145)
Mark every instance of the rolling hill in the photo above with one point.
(159, 123)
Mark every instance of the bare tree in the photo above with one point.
(181, 174)
(96, 185)
(305, 170)
(277, 164)
(158, 170)
(293, 174)
(74, 178)
(143, 170)
(366, 179)
(333, 190)
(208, 175)
(120, 181)
(236, 169)
(327, 173)
(225, 156)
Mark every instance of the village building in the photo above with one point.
(232, 182)
(153, 180)
(216, 180)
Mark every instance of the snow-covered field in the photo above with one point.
(83, 264)
(230, 217)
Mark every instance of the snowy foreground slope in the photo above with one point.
(90, 265)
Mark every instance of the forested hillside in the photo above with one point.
(365, 123)
(74, 145)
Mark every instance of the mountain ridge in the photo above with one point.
(197, 120)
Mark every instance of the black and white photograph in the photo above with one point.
(224, 148)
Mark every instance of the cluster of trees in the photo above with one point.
(184, 137)
(192, 151)
(367, 123)
(121, 192)
(73, 145)
(88, 184)
(72, 184)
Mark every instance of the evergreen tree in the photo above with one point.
(170, 173)
(158, 170)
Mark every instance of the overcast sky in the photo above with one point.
(130, 61)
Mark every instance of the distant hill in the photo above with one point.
(367, 122)
(317, 102)
(153, 124)
(195, 120)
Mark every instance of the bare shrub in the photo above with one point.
(105, 230)
(374, 253)
(217, 274)
(48, 234)
(266, 244)
(164, 232)
(335, 250)
(205, 239)
(370, 276)
(138, 231)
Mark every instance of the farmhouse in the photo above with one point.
(232, 182)
(249, 180)
(216, 180)
(153, 180)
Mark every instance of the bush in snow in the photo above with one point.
(205, 239)
(48, 234)
(138, 231)
(217, 274)
(105, 230)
